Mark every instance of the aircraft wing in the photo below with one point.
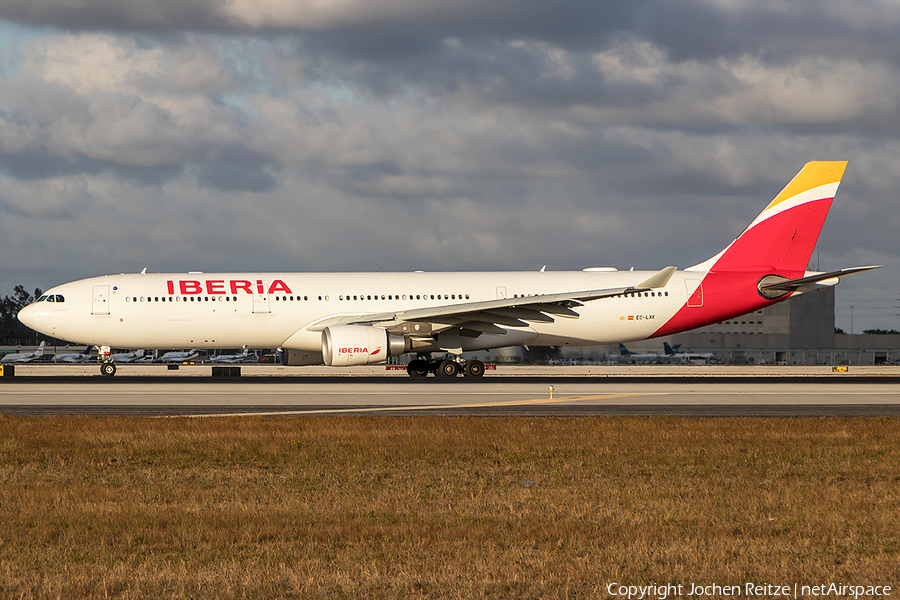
(490, 316)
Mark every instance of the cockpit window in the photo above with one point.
(51, 298)
(59, 298)
(42, 298)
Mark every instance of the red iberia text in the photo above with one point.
(188, 287)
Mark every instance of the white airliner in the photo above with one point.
(23, 357)
(345, 319)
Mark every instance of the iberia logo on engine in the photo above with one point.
(359, 351)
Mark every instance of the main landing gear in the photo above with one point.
(449, 367)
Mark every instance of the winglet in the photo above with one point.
(658, 280)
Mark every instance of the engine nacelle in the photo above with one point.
(348, 345)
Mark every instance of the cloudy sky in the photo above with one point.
(358, 135)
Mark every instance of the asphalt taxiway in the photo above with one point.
(151, 390)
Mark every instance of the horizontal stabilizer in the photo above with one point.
(774, 286)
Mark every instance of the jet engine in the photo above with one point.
(348, 345)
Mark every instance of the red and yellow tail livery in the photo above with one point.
(775, 248)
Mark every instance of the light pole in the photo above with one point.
(851, 319)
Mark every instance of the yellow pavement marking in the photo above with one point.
(428, 407)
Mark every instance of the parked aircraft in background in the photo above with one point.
(23, 357)
(635, 357)
(694, 358)
(244, 356)
(178, 357)
(345, 319)
(75, 358)
(670, 350)
(127, 357)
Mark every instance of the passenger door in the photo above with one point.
(695, 299)
(100, 305)
(261, 304)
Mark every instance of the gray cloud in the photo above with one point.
(42, 164)
(236, 167)
(204, 135)
(364, 24)
(114, 15)
(399, 29)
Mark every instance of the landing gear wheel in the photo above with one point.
(417, 368)
(474, 368)
(107, 369)
(447, 368)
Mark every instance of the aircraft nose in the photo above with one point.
(26, 316)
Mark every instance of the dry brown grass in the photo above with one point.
(440, 507)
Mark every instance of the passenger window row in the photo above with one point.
(350, 297)
(201, 298)
(629, 295)
(180, 299)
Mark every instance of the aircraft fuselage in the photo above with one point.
(227, 310)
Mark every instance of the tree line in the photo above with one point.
(12, 332)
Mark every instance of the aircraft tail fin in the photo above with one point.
(768, 262)
(623, 350)
(781, 239)
(670, 350)
(40, 350)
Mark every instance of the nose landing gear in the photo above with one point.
(108, 369)
(107, 366)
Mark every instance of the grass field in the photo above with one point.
(441, 507)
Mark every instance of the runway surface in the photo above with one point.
(72, 391)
